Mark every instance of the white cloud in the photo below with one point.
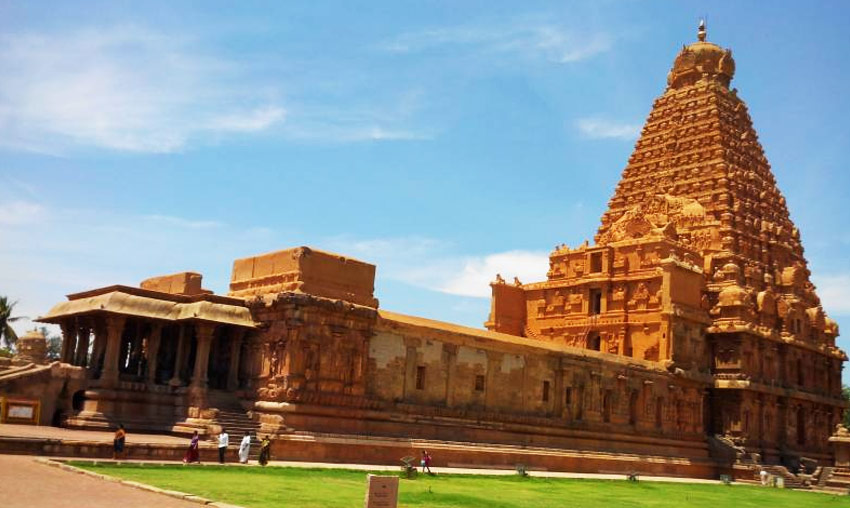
(598, 128)
(477, 273)
(123, 89)
(430, 264)
(553, 43)
(250, 121)
(183, 223)
(834, 292)
(21, 212)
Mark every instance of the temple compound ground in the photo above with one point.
(687, 340)
(232, 486)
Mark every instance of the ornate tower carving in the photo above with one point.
(697, 265)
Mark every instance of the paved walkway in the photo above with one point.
(40, 431)
(26, 483)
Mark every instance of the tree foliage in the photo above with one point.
(54, 343)
(7, 333)
(845, 392)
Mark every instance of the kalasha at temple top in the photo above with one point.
(702, 60)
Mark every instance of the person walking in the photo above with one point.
(223, 441)
(265, 450)
(425, 462)
(245, 448)
(118, 442)
(193, 453)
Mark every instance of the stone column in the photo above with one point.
(178, 356)
(114, 330)
(255, 363)
(450, 356)
(82, 353)
(97, 350)
(558, 393)
(494, 362)
(233, 368)
(152, 351)
(205, 333)
(69, 340)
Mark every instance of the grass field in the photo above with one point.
(313, 488)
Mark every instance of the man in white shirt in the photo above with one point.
(223, 441)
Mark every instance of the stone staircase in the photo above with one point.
(792, 481)
(838, 479)
(235, 419)
(823, 476)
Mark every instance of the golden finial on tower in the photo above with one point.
(701, 31)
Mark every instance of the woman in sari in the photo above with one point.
(265, 450)
(118, 442)
(245, 448)
(192, 454)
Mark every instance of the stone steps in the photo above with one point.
(233, 418)
(792, 481)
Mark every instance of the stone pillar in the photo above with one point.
(205, 333)
(494, 362)
(558, 393)
(69, 340)
(95, 364)
(255, 365)
(82, 353)
(152, 351)
(450, 358)
(233, 368)
(114, 330)
(178, 356)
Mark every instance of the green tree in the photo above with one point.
(7, 333)
(54, 343)
(845, 392)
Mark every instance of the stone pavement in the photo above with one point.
(27, 483)
(40, 431)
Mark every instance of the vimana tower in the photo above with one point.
(698, 265)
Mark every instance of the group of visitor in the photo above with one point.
(193, 455)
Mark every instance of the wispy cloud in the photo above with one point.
(21, 212)
(124, 89)
(479, 271)
(249, 121)
(834, 292)
(600, 128)
(181, 222)
(551, 42)
(430, 264)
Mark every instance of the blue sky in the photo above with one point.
(443, 141)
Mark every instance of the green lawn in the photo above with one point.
(309, 488)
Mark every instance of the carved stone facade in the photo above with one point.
(697, 265)
(691, 316)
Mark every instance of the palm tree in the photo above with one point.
(7, 333)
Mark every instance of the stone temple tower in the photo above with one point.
(698, 266)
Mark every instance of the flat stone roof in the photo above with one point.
(145, 303)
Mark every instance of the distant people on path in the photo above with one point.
(764, 476)
(118, 442)
(245, 448)
(193, 453)
(223, 441)
(425, 462)
(265, 450)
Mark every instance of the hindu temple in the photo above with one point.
(687, 339)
